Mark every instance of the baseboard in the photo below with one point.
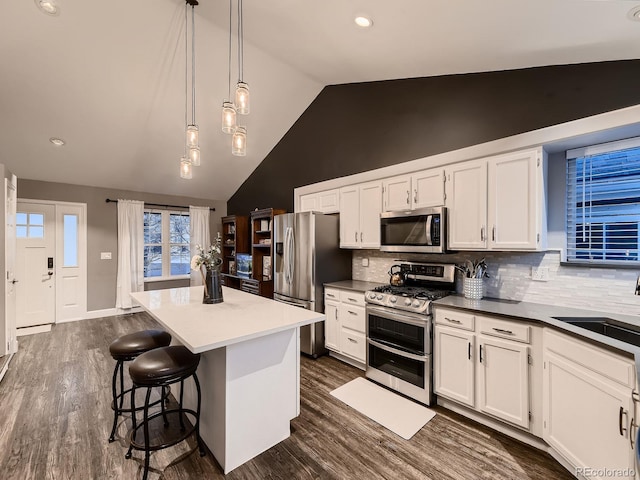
(348, 360)
(107, 312)
(22, 331)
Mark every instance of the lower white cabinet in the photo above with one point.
(345, 324)
(488, 372)
(589, 416)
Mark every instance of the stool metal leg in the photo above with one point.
(147, 452)
(197, 425)
(182, 427)
(133, 421)
(164, 415)
(121, 384)
(116, 410)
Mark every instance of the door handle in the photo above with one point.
(50, 273)
(14, 281)
(620, 426)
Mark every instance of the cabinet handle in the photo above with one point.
(352, 340)
(331, 295)
(469, 350)
(352, 313)
(631, 434)
(493, 233)
(622, 429)
(500, 330)
(415, 195)
(408, 197)
(480, 353)
(361, 236)
(356, 234)
(336, 314)
(452, 320)
(482, 233)
(351, 299)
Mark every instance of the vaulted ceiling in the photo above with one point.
(108, 77)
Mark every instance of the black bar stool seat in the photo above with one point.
(162, 367)
(127, 348)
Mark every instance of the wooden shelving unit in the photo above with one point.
(262, 252)
(235, 240)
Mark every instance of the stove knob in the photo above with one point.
(379, 297)
(393, 299)
(407, 302)
(416, 303)
(372, 295)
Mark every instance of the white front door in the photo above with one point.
(35, 264)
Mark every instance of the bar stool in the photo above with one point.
(160, 368)
(125, 349)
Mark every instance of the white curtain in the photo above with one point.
(130, 251)
(199, 235)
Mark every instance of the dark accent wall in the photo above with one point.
(358, 127)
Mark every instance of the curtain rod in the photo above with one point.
(108, 200)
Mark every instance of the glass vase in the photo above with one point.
(213, 287)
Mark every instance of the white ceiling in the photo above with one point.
(108, 77)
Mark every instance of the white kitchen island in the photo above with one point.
(249, 368)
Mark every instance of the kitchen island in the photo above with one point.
(249, 368)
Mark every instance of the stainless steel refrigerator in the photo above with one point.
(308, 255)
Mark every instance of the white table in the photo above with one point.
(249, 368)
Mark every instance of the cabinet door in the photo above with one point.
(513, 201)
(428, 188)
(328, 201)
(353, 344)
(503, 380)
(454, 364)
(397, 193)
(331, 326)
(467, 203)
(349, 217)
(370, 208)
(586, 416)
(308, 202)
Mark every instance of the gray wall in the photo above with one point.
(102, 229)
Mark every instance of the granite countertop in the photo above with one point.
(544, 314)
(355, 285)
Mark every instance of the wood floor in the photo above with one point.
(55, 418)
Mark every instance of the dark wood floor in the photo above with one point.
(55, 418)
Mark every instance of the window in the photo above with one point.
(603, 203)
(29, 225)
(166, 244)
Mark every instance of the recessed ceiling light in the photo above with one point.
(58, 142)
(634, 14)
(364, 22)
(50, 7)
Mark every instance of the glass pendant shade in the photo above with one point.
(186, 171)
(242, 98)
(239, 142)
(194, 156)
(192, 136)
(228, 117)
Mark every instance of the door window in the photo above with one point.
(29, 225)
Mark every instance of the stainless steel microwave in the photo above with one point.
(417, 231)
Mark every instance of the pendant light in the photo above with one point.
(192, 129)
(186, 170)
(228, 109)
(242, 88)
(239, 142)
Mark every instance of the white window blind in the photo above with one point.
(603, 203)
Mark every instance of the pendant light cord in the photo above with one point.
(230, 16)
(186, 69)
(240, 42)
(193, 66)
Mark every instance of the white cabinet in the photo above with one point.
(588, 405)
(325, 202)
(497, 203)
(483, 363)
(417, 190)
(345, 325)
(360, 207)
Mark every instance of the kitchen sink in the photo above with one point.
(606, 326)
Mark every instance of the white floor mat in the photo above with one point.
(400, 415)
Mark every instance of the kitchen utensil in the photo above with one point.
(396, 278)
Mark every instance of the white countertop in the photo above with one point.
(242, 316)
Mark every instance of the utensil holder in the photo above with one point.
(472, 288)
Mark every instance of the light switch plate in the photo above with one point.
(365, 262)
(105, 255)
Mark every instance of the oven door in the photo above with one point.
(399, 330)
(403, 372)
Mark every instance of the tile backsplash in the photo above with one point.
(599, 289)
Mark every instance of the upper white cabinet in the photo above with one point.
(325, 202)
(497, 203)
(360, 207)
(417, 190)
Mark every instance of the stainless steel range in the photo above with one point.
(399, 325)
